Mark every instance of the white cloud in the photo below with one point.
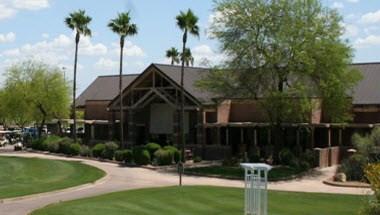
(337, 5)
(353, 1)
(45, 35)
(6, 12)
(371, 17)
(8, 8)
(55, 51)
(86, 47)
(106, 64)
(204, 53)
(371, 40)
(130, 49)
(30, 4)
(350, 30)
(7, 38)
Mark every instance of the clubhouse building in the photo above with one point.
(216, 127)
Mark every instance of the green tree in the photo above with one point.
(281, 50)
(173, 55)
(123, 27)
(188, 23)
(187, 56)
(15, 101)
(79, 22)
(35, 92)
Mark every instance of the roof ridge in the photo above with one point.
(366, 63)
(189, 67)
(104, 76)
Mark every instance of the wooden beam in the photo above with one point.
(142, 99)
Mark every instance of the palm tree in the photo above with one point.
(77, 21)
(173, 54)
(122, 26)
(188, 57)
(187, 22)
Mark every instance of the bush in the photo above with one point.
(75, 149)
(141, 156)
(175, 153)
(163, 157)
(64, 145)
(109, 150)
(98, 150)
(152, 148)
(85, 151)
(197, 159)
(38, 144)
(353, 167)
(233, 161)
(123, 156)
(53, 147)
(286, 157)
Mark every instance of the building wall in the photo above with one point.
(366, 114)
(96, 110)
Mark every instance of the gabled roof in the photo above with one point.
(104, 88)
(191, 76)
(368, 89)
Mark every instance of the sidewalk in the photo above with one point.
(125, 178)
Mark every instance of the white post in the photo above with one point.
(255, 188)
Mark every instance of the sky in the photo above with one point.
(35, 29)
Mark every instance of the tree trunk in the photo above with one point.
(182, 115)
(41, 126)
(74, 134)
(120, 94)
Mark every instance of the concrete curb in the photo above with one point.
(69, 189)
(330, 182)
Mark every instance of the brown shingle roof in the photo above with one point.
(104, 88)
(191, 76)
(368, 89)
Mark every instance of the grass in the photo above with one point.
(199, 200)
(25, 176)
(276, 174)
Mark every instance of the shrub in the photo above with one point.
(64, 145)
(286, 157)
(123, 156)
(75, 149)
(233, 161)
(175, 153)
(98, 149)
(254, 154)
(372, 173)
(39, 144)
(353, 167)
(53, 147)
(141, 156)
(197, 159)
(163, 157)
(109, 150)
(85, 151)
(152, 148)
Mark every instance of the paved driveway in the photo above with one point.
(123, 178)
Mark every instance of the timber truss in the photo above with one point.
(153, 86)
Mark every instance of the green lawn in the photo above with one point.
(276, 174)
(199, 200)
(24, 176)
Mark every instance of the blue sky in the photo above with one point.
(35, 29)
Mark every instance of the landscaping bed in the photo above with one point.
(202, 200)
(26, 176)
(278, 173)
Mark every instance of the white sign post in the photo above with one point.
(256, 186)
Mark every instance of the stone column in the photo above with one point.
(201, 131)
(131, 128)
